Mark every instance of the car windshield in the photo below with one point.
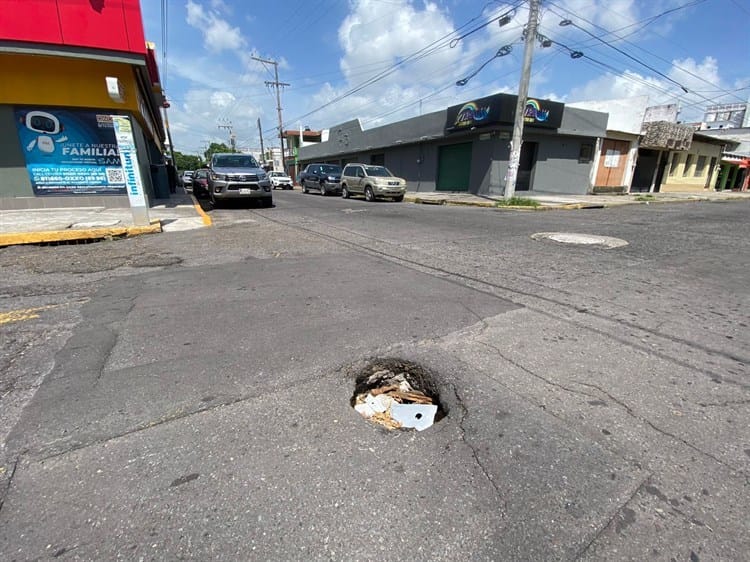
(330, 169)
(378, 171)
(188, 173)
(235, 161)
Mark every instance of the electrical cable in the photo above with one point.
(428, 49)
(647, 22)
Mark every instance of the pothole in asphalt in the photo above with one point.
(581, 239)
(397, 394)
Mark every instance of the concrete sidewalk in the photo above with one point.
(32, 226)
(561, 201)
(182, 212)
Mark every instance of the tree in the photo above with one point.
(215, 147)
(187, 161)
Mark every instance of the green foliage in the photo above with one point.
(187, 161)
(645, 198)
(215, 147)
(517, 202)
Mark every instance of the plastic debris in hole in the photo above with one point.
(395, 404)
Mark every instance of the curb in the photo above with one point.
(207, 221)
(18, 238)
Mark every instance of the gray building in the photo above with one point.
(465, 148)
(726, 116)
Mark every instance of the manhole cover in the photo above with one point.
(397, 394)
(582, 239)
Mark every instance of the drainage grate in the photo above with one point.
(397, 394)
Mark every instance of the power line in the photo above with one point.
(417, 55)
(646, 22)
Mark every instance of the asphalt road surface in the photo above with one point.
(187, 395)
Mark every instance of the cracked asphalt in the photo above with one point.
(186, 395)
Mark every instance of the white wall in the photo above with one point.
(625, 115)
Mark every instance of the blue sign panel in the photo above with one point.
(70, 151)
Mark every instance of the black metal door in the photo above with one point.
(526, 166)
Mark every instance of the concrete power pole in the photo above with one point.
(232, 136)
(523, 91)
(262, 150)
(276, 84)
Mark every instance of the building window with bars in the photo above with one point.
(700, 165)
(675, 162)
(688, 163)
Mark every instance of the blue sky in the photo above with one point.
(387, 60)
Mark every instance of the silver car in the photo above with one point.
(238, 176)
(373, 182)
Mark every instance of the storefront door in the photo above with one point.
(454, 167)
(526, 166)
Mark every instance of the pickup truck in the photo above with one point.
(238, 176)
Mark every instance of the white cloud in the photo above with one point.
(218, 34)
(194, 120)
(609, 14)
(222, 100)
(694, 76)
(377, 35)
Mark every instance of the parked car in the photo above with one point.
(373, 182)
(185, 179)
(280, 179)
(200, 182)
(325, 178)
(238, 176)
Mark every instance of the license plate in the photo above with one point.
(245, 191)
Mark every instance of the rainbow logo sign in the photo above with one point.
(471, 114)
(533, 112)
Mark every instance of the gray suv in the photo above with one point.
(238, 176)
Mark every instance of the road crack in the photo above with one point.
(6, 488)
(474, 452)
(663, 432)
(611, 520)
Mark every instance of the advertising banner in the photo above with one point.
(129, 158)
(70, 151)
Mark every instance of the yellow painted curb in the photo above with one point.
(207, 221)
(16, 238)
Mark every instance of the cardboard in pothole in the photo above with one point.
(396, 394)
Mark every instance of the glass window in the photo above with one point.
(234, 161)
(688, 163)
(700, 165)
(378, 171)
(675, 162)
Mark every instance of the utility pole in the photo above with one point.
(523, 91)
(262, 151)
(276, 84)
(232, 136)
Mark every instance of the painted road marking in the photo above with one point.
(23, 314)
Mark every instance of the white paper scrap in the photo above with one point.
(418, 416)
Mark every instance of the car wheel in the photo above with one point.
(211, 199)
(344, 192)
(304, 188)
(323, 190)
(398, 199)
(369, 195)
(266, 202)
